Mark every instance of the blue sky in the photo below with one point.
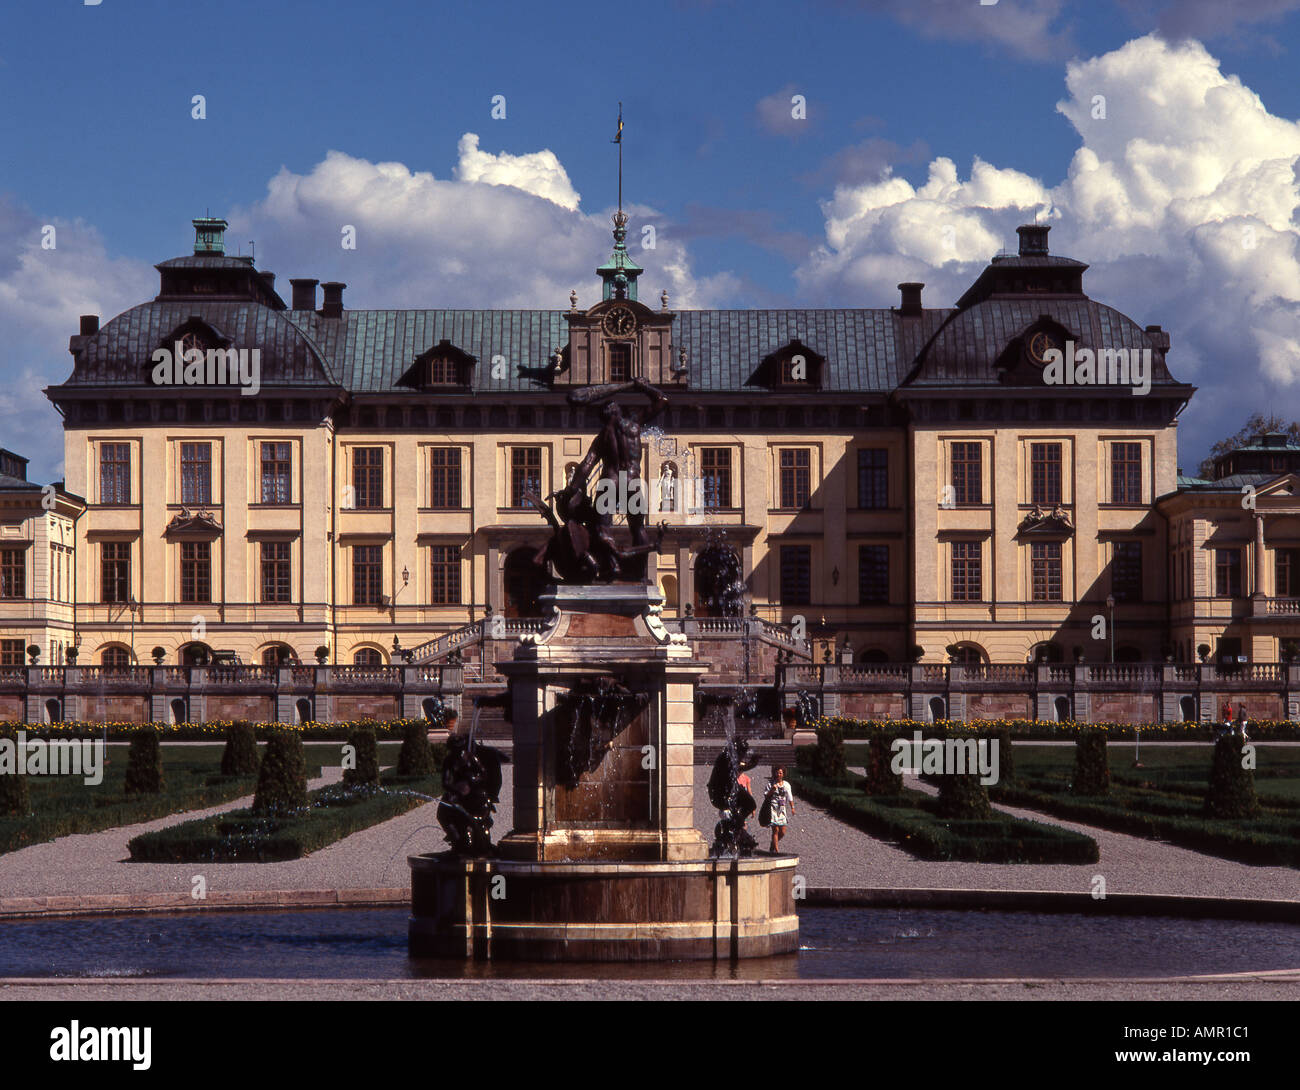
(752, 207)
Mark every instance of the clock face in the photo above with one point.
(620, 322)
(1041, 343)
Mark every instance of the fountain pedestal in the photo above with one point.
(603, 861)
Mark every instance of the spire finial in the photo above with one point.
(618, 139)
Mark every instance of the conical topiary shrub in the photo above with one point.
(240, 756)
(416, 755)
(1091, 767)
(366, 754)
(15, 798)
(1232, 786)
(881, 779)
(962, 796)
(1001, 738)
(144, 770)
(282, 779)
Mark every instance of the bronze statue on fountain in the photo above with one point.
(732, 800)
(583, 548)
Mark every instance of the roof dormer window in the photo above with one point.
(442, 365)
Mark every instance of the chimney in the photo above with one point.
(89, 325)
(332, 305)
(304, 293)
(1033, 239)
(911, 305)
(268, 278)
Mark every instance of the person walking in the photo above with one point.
(780, 799)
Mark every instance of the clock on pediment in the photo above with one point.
(619, 322)
(1042, 341)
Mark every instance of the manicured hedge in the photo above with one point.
(914, 821)
(217, 730)
(1261, 730)
(1272, 839)
(243, 836)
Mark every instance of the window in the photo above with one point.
(1126, 571)
(715, 477)
(1286, 570)
(795, 477)
(444, 478)
(444, 585)
(873, 479)
(873, 574)
(1126, 473)
(966, 474)
(1045, 575)
(13, 573)
(1227, 573)
(276, 572)
(196, 571)
(794, 370)
(196, 473)
(525, 474)
(967, 584)
(115, 658)
(442, 371)
(368, 656)
(277, 461)
(115, 473)
(620, 361)
(368, 478)
(1045, 473)
(115, 571)
(367, 574)
(11, 652)
(796, 575)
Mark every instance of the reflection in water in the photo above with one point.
(837, 943)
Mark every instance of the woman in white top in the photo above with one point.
(781, 799)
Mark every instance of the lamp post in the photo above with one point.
(1110, 605)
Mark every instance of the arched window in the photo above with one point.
(278, 654)
(1061, 707)
(53, 710)
(179, 712)
(968, 654)
(938, 709)
(1187, 706)
(367, 656)
(196, 654)
(115, 657)
(1047, 651)
(302, 711)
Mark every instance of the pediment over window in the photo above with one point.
(792, 366)
(438, 367)
(195, 332)
(194, 525)
(1054, 522)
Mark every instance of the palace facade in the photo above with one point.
(898, 482)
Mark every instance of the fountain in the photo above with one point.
(603, 862)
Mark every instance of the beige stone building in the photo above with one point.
(359, 480)
(38, 553)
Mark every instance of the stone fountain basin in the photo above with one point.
(602, 910)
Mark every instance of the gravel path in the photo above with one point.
(831, 853)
